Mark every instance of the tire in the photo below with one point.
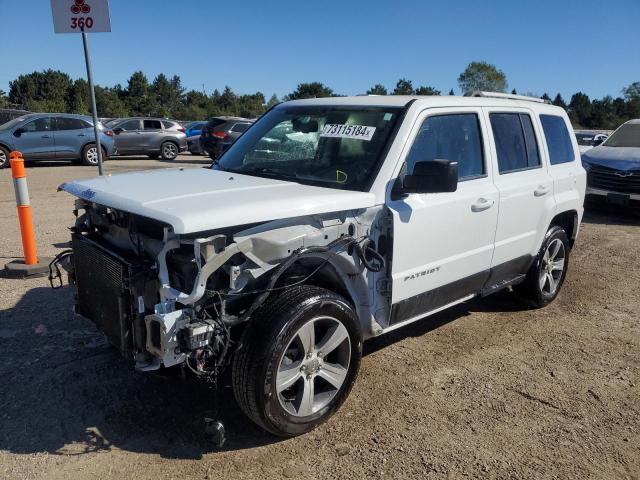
(272, 343)
(4, 158)
(546, 276)
(153, 156)
(169, 151)
(89, 155)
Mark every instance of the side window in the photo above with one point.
(67, 123)
(240, 127)
(558, 139)
(167, 125)
(453, 137)
(38, 125)
(130, 125)
(152, 124)
(515, 141)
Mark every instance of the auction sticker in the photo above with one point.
(340, 130)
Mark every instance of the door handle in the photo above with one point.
(541, 190)
(45, 136)
(81, 134)
(482, 204)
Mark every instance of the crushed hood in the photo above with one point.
(619, 158)
(198, 199)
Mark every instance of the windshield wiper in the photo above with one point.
(267, 172)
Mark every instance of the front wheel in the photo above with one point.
(298, 360)
(546, 275)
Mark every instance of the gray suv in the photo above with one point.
(154, 137)
(47, 136)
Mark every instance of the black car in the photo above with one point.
(7, 114)
(220, 132)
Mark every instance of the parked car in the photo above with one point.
(47, 136)
(194, 128)
(588, 140)
(7, 114)
(370, 213)
(613, 168)
(220, 132)
(154, 137)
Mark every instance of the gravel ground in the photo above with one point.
(485, 390)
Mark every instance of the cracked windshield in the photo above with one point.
(329, 147)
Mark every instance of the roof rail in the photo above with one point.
(508, 96)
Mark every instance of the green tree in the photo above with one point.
(514, 92)
(109, 103)
(273, 101)
(632, 96)
(140, 98)
(403, 87)
(427, 91)
(451, 92)
(78, 100)
(482, 76)
(45, 91)
(546, 97)
(4, 100)
(310, 90)
(558, 101)
(251, 106)
(580, 109)
(377, 89)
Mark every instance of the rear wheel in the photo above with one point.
(546, 275)
(89, 155)
(169, 151)
(4, 157)
(298, 360)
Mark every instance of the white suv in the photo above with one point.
(328, 222)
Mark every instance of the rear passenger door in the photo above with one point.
(525, 188)
(443, 242)
(152, 135)
(71, 134)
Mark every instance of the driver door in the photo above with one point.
(36, 140)
(127, 136)
(444, 242)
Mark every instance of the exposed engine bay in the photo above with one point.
(165, 299)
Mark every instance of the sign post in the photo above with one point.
(82, 16)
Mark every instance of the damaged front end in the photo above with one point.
(165, 299)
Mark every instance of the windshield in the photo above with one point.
(336, 147)
(628, 135)
(12, 123)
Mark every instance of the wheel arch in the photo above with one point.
(568, 220)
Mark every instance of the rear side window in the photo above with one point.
(239, 127)
(515, 142)
(152, 124)
(558, 139)
(453, 137)
(67, 123)
(168, 125)
(215, 122)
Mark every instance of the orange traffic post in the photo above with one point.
(30, 266)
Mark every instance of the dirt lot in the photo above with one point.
(487, 390)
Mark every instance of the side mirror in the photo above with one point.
(431, 176)
(18, 131)
(118, 130)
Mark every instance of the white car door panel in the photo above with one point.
(525, 187)
(443, 242)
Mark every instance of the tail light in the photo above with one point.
(220, 135)
(181, 129)
(109, 133)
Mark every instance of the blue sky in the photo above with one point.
(542, 45)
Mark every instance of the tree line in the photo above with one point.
(56, 91)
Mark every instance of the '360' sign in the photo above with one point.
(71, 16)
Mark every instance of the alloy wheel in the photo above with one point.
(92, 155)
(314, 366)
(552, 267)
(169, 150)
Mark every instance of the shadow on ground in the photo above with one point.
(65, 391)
